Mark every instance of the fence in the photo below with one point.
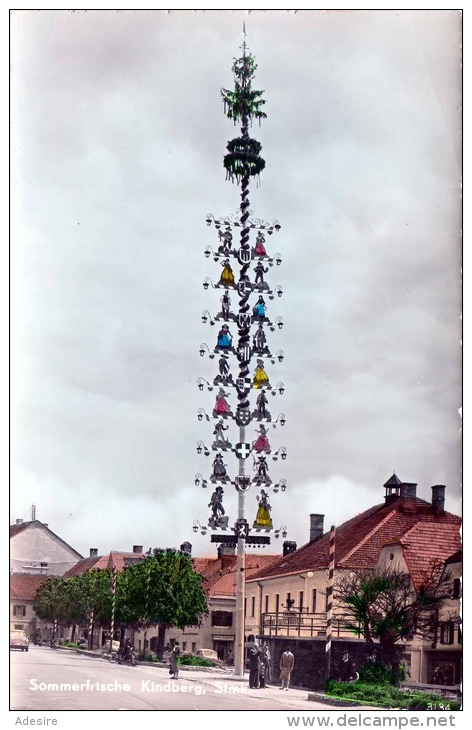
(302, 624)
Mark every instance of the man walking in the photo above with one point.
(254, 657)
(287, 661)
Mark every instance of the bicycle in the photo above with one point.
(114, 657)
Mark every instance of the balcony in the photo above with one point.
(302, 624)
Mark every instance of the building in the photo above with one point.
(287, 600)
(37, 550)
(217, 630)
(36, 553)
(23, 589)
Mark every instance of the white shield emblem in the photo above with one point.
(242, 450)
(244, 255)
(244, 320)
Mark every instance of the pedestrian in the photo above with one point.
(287, 661)
(347, 668)
(266, 660)
(175, 661)
(254, 656)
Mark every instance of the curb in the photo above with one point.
(314, 697)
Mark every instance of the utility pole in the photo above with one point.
(243, 105)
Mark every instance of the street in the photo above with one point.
(104, 686)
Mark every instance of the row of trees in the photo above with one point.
(161, 589)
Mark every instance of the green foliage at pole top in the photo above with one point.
(243, 103)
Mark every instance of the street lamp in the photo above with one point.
(198, 526)
(207, 316)
(203, 349)
(201, 414)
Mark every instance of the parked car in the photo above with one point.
(208, 654)
(19, 640)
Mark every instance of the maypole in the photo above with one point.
(242, 105)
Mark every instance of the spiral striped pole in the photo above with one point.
(113, 599)
(329, 601)
(90, 631)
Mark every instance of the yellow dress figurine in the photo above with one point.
(260, 376)
(227, 276)
(263, 518)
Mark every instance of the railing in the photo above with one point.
(301, 623)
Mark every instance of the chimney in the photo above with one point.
(316, 527)
(408, 489)
(437, 499)
(19, 522)
(289, 547)
(186, 548)
(93, 552)
(137, 549)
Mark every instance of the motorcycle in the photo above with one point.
(122, 657)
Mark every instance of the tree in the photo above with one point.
(52, 602)
(384, 606)
(161, 590)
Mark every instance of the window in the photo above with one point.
(266, 606)
(447, 632)
(300, 601)
(253, 605)
(289, 601)
(313, 600)
(456, 589)
(194, 647)
(184, 646)
(221, 618)
(19, 626)
(245, 605)
(277, 602)
(19, 610)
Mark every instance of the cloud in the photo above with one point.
(118, 135)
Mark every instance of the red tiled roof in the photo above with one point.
(359, 540)
(225, 584)
(218, 573)
(102, 562)
(427, 543)
(23, 587)
(15, 529)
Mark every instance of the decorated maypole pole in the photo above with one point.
(242, 105)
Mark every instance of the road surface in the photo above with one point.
(94, 684)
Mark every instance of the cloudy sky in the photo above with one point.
(118, 135)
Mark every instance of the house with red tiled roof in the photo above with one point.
(288, 598)
(36, 552)
(23, 589)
